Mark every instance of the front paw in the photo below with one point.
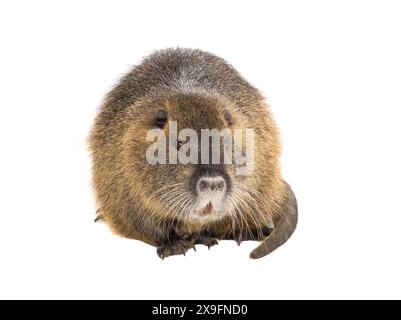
(207, 241)
(175, 247)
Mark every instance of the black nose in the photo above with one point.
(209, 177)
(211, 184)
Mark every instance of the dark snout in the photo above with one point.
(211, 184)
(209, 178)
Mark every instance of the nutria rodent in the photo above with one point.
(175, 206)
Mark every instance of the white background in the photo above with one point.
(331, 70)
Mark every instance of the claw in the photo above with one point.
(160, 254)
(174, 248)
(99, 218)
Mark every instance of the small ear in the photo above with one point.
(160, 119)
(228, 117)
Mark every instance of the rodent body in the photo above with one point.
(175, 206)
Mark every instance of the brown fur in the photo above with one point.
(194, 88)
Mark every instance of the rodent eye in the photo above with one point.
(179, 144)
(160, 119)
(228, 117)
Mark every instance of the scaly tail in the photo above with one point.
(283, 229)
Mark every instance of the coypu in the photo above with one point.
(175, 206)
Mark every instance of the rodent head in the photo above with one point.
(185, 175)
